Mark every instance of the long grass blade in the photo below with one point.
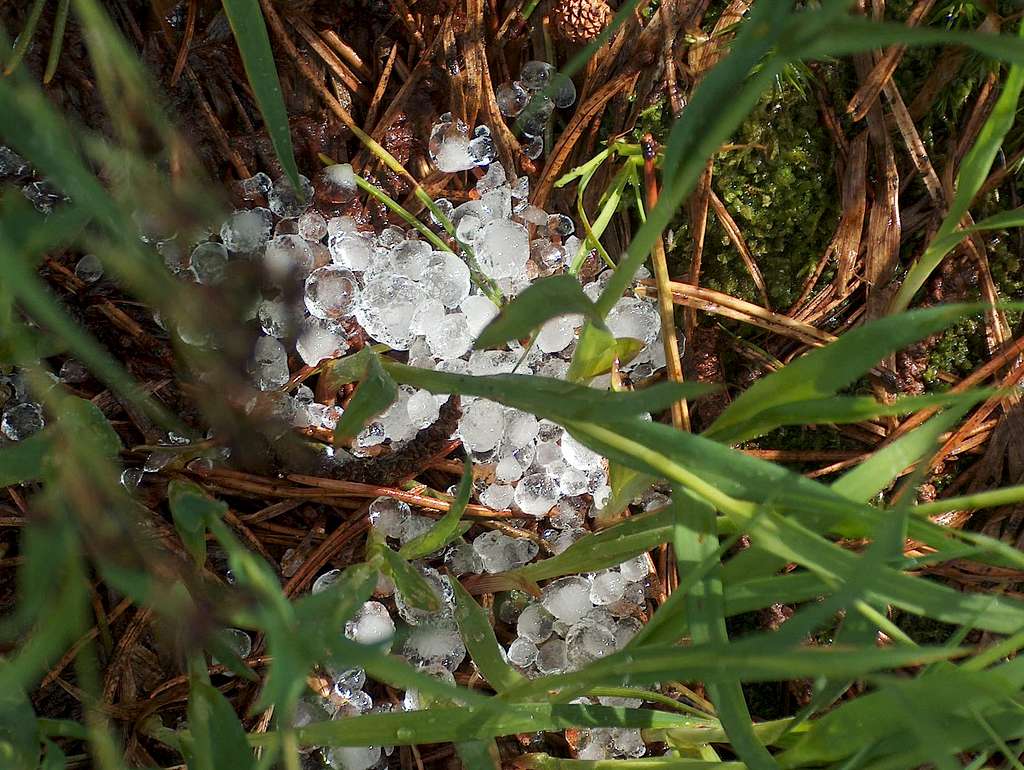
(250, 32)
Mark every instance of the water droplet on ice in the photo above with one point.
(536, 75)
(511, 98)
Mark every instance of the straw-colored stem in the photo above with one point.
(666, 308)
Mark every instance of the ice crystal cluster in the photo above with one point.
(531, 100)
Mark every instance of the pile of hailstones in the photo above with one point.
(402, 292)
(578, 619)
(411, 297)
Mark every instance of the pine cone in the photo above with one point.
(580, 21)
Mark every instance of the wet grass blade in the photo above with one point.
(825, 371)
(606, 548)
(441, 725)
(447, 527)
(837, 410)
(544, 299)
(250, 31)
(695, 539)
(481, 642)
(479, 755)
(548, 397)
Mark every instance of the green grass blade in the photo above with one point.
(606, 548)
(746, 660)
(219, 740)
(547, 397)
(447, 527)
(18, 733)
(375, 393)
(460, 724)
(597, 350)
(856, 34)
(395, 671)
(787, 538)
(479, 755)
(837, 410)
(483, 646)
(732, 473)
(876, 473)
(25, 37)
(544, 299)
(60, 21)
(884, 714)
(189, 519)
(53, 758)
(973, 171)
(824, 371)
(408, 581)
(23, 460)
(991, 499)
(250, 31)
(695, 538)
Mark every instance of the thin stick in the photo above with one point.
(666, 308)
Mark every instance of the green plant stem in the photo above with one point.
(481, 279)
(397, 208)
(653, 697)
(57, 40)
(989, 499)
(25, 37)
